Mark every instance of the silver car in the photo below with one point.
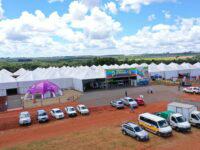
(42, 116)
(135, 131)
(24, 118)
(117, 103)
(129, 101)
(71, 111)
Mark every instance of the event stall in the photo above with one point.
(44, 89)
(82, 78)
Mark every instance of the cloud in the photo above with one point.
(167, 14)
(77, 10)
(151, 17)
(135, 5)
(1, 10)
(111, 6)
(53, 1)
(91, 31)
(182, 36)
(91, 3)
(78, 32)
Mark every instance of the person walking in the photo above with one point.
(179, 87)
(131, 107)
(126, 94)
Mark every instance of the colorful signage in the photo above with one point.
(129, 72)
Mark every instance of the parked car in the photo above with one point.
(71, 111)
(176, 120)
(194, 118)
(82, 109)
(42, 116)
(188, 111)
(24, 118)
(155, 124)
(195, 90)
(140, 101)
(57, 113)
(129, 101)
(117, 103)
(135, 131)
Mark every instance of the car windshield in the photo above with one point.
(162, 123)
(120, 102)
(198, 116)
(130, 100)
(58, 111)
(71, 109)
(138, 129)
(43, 114)
(180, 119)
(24, 115)
(83, 107)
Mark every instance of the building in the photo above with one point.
(83, 78)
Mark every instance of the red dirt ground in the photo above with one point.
(99, 117)
(190, 97)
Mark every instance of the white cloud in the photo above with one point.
(151, 17)
(77, 10)
(83, 31)
(1, 10)
(135, 5)
(180, 37)
(53, 1)
(167, 14)
(91, 3)
(77, 32)
(111, 6)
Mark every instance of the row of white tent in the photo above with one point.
(71, 77)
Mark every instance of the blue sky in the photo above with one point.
(124, 27)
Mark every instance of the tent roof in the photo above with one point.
(5, 78)
(21, 71)
(4, 71)
(43, 87)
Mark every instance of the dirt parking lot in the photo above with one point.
(99, 130)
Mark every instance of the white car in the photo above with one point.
(118, 103)
(129, 101)
(71, 111)
(42, 116)
(24, 118)
(195, 90)
(82, 109)
(57, 113)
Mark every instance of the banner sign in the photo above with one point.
(129, 72)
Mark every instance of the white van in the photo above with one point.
(155, 124)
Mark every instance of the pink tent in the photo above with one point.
(42, 88)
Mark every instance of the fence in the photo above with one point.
(67, 95)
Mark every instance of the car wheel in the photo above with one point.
(124, 132)
(137, 138)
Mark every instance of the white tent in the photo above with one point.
(20, 72)
(73, 77)
(6, 72)
(6, 82)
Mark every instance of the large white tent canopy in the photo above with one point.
(71, 77)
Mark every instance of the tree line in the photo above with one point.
(31, 65)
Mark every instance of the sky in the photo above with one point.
(47, 28)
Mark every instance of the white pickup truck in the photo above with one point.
(193, 90)
(189, 112)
